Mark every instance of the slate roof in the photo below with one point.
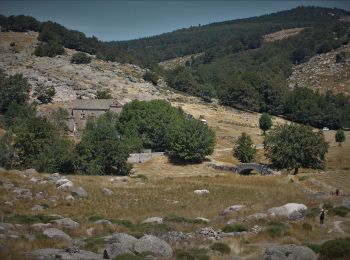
(94, 104)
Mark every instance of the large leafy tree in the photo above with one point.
(295, 146)
(244, 150)
(100, 150)
(340, 136)
(191, 140)
(13, 89)
(265, 122)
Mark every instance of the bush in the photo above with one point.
(244, 150)
(277, 229)
(221, 247)
(303, 178)
(80, 58)
(44, 93)
(234, 228)
(128, 257)
(103, 94)
(338, 211)
(316, 248)
(50, 49)
(328, 206)
(336, 249)
(192, 254)
(314, 212)
(151, 77)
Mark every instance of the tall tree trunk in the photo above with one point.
(296, 170)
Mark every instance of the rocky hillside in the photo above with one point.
(323, 72)
(75, 81)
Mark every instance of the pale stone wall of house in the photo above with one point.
(142, 157)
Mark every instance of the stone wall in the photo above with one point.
(142, 157)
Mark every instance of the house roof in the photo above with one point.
(95, 104)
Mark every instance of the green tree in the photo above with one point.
(244, 150)
(151, 77)
(13, 89)
(265, 122)
(295, 146)
(80, 58)
(103, 94)
(49, 49)
(190, 140)
(101, 151)
(340, 136)
(8, 157)
(44, 93)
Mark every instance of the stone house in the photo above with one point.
(81, 109)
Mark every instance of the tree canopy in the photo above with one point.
(243, 149)
(265, 122)
(295, 146)
(340, 136)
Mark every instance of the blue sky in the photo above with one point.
(123, 20)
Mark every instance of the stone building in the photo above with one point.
(80, 109)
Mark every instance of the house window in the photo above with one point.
(82, 116)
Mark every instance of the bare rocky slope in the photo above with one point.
(322, 73)
(76, 81)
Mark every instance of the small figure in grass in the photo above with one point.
(322, 215)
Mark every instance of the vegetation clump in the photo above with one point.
(244, 150)
(103, 94)
(295, 146)
(192, 254)
(265, 122)
(221, 247)
(277, 229)
(340, 136)
(50, 49)
(234, 228)
(80, 58)
(44, 93)
(335, 249)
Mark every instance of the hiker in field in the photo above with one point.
(322, 216)
(337, 192)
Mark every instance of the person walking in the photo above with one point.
(322, 216)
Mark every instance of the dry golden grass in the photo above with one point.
(22, 41)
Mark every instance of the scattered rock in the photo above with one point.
(8, 203)
(202, 219)
(68, 254)
(37, 208)
(292, 211)
(256, 216)
(157, 220)
(177, 236)
(34, 180)
(113, 250)
(66, 223)
(69, 200)
(30, 172)
(107, 191)
(201, 192)
(41, 195)
(154, 245)
(23, 194)
(79, 192)
(256, 229)
(56, 234)
(40, 226)
(122, 238)
(289, 252)
(6, 227)
(346, 202)
(61, 181)
(53, 178)
(66, 186)
(231, 209)
(104, 222)
(209, 232)
(8, 185)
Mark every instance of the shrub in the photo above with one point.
(303, 178)
(50, 49)
(150, 228)
(327, 206)
(316, 248)
(44, 93)
(336, 249)
(338, 211)
(307, 227)
(221, 247)
(27, 219)
(103, 94)
(192, 254)
(244, 150)
(234, 228)
(314, 212)
(151, 77)
(277, 229)
(80, 58)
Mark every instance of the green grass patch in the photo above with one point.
(28, 219)
(328, 206)
(221, 247)
(178, 219)
(315, 247)
(277, 229)
(139, 176)
(234, 228)
(94, 243)
(192, 254)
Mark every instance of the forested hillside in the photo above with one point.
(237, 66)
